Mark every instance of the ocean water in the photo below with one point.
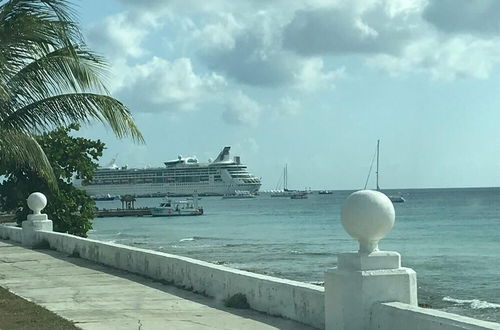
(450, 237)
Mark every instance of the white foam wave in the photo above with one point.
(474, 303)
(187, 239)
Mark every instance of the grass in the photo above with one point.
(17, 313)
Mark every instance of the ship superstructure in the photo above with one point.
(180, 177)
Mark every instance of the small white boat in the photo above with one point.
(397, 199)
(239, 194)
(325, 192)
(106, 197)
(169, 208)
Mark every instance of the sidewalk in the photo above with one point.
(99, 297)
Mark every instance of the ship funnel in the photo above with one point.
(224, 155)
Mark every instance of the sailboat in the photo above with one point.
(293, 194)
(393, 198)
(285, 192)
(282, 192)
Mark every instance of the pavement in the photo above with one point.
(99, 297)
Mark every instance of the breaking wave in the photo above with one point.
(473, 303)
(199, 238)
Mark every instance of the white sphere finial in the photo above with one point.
(367, 216)
(37, 202)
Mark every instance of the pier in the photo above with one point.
(105, 213)
(128, 209)
(106, 285)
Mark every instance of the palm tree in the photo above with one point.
(48, 78)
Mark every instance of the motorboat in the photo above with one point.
(397, 199)
(170, 208)
(105, 197)
(239, 194)
(325, 192)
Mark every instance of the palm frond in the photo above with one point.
(48, 78)
(21, 151)
(56, 73)
(62, 110)
(30, 29)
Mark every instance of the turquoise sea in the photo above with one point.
(450, 237)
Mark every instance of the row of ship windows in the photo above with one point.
(202, 177)
(157, 180)
(166, 180)
(173, 172)
(134, 175)
(150, 175)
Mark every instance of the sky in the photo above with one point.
(312, 84)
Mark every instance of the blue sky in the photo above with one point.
(310, 83)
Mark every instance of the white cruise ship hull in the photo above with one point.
(165, 189)
(181, 177)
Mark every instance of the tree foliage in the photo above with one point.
(69, 208)
(48, 78)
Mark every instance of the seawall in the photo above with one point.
(280, 297)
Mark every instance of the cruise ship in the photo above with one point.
(183, 176)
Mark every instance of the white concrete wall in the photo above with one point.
(294, 300)
(290, 299)
(397, 316)
(11, 232)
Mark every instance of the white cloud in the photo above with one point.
(241, 110)
(243, 46)
(120, 36)
(203, 51)
(161, 85)
(250, 53)
(312, 76)
(449, 59)
(355, 27)
(219, 34)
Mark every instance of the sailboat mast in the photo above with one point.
(285, 178)
(378, 152)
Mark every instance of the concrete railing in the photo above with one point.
(11, 233)
(290, 299)
(294, 300)
(396, 316)
(368, 290)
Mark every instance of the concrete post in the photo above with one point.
(36, 221)
(368, 276)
